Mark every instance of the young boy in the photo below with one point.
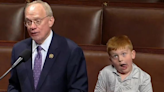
(122, 75)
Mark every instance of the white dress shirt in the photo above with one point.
(45, 46)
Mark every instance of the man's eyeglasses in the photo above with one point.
(37, 22)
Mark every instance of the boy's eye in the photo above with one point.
(114, 56)
(124, 54)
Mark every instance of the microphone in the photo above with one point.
(24, 56)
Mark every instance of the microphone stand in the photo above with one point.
(16, 63)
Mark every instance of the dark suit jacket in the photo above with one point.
(65, 72)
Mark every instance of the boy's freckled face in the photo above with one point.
(122, 59)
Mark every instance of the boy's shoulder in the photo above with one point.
(107, 74)
(107, 70)
(139, 73)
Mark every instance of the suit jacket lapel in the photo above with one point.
(50, 59)
(28, 65)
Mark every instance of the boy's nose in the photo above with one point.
(120, 58)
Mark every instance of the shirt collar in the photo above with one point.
(115, 71)
(45, 45)
(135, 72)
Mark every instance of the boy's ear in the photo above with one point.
(133, 54)
(111, 63)
(110, 59)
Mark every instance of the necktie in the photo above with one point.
(37, 66)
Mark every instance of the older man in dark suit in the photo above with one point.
(57, 63)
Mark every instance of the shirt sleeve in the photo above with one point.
(146, 85)
(101, 84)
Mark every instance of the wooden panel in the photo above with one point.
(5, 63)
(64, 2)
(15, 1)
(11, 25)
(98, 2)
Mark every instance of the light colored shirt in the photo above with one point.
(45, 45)
(110, 81)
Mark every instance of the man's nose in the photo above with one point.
(33, 25)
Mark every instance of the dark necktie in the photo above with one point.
(37, 66)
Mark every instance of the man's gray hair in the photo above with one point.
(45, 5)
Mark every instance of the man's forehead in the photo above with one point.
(34, 12)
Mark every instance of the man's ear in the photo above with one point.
(51, 21)
(133, 54)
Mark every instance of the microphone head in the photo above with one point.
(26, 54)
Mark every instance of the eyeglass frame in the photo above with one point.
(37, 22)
